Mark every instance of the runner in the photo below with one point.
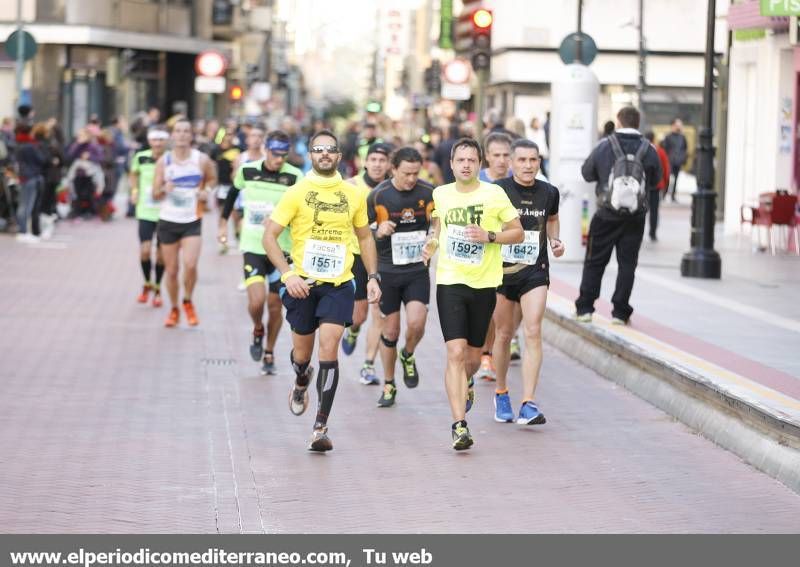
(401, 207)
(322, 212)
(262, 183)
(498, 158)
(254, 151)
(525, 280)
(377, 170)
(225, 156)
(143, 168)
(181, 177)
(473, 219)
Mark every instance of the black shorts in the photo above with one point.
(147, 230)
(171, 232)
(403, 288)
(360, 277)
(326, 303)
(515, 287)
(258, 269)
(465, 312)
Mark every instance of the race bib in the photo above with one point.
(182, 198)
(462, 250)
(324, 259)
(407, 247)
(526, 252)
(147, 197)
(257, 212)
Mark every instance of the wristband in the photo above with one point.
(286, 275)
(434, 241)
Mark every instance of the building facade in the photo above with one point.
(762, 152)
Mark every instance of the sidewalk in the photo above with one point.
(738, 334)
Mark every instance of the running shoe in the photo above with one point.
(618, 321)
(389, 394)
(410, 374)
(529, 414)
(470, 394)
(257, 345)
(298, 398)
(368, 375)
(486, 371)
(502, 408)
(584, 318)
(191, 316)
(320, 442)
(157, 298)
(462, 439)
(349, 342)
(145, 294)
(268, 364)
(514, 349)
(173, 317)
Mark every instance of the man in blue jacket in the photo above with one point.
(612, 227)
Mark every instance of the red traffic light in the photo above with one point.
(236, 93)
(482, 19)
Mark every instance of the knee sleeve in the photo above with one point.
(387, 342)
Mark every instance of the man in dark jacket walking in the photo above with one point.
(610, 228)
(678, 151)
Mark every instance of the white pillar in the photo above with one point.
(573, 135)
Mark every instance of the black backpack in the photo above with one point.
(626, 192)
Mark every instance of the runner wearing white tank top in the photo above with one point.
(181, 178)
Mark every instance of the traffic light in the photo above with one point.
(482, 20)
(235, 93)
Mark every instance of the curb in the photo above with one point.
(765, 438)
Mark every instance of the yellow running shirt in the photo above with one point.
(321, 213)
(461, 261)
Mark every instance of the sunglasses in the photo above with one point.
(320, 149)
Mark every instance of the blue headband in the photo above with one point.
(277, 146)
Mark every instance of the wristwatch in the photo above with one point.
(492, 235)
(374, 276)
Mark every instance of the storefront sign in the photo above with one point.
(780, 8)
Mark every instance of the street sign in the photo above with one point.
(457, 71)
(210, 64)
(773, 8)
(261, 91)
(456, 91)
(214, 85)
(29, 46)
(567, 51)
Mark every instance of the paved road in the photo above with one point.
(111, 423)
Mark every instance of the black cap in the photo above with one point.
(380, 148)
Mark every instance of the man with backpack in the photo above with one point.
(625, 166)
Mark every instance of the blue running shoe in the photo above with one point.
(502, 408)
(349, 342)
(529, 414)
(470, 393)
(368, 375)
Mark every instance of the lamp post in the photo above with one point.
(702, 261)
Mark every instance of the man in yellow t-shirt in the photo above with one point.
(472, 219)
(322, 211)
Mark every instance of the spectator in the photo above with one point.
(611, 228)
(654, 195)
(30, 162)
(515, 126)
(53, 148)
(86, 181)
(608, 129)
(678, 152)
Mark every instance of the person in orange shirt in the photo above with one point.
(654, 195)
